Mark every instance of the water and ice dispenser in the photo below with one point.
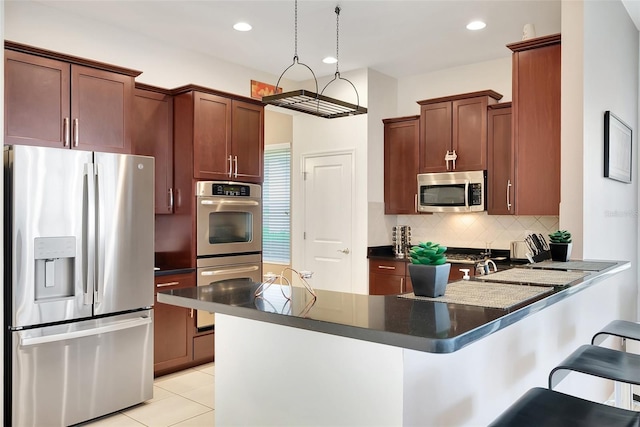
(54, 267)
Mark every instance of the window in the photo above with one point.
(276, 224)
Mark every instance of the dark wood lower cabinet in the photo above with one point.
(391, 277)
(177, 344)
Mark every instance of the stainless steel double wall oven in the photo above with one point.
(229, 235)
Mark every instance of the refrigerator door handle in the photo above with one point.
(100, 233)
(125, 324)
(90, 226)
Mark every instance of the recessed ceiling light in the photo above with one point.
(242, 26)
(476, 25)
(329, 60)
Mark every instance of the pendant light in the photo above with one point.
(312, 102)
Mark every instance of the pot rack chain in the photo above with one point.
(337, 76)
(295, 51)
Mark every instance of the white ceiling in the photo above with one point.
(395, 37)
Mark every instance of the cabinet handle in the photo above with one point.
(402, 285)
(76, 132)
(191, 313)
(235, 161)
(170, 199)
(386, 267)
(415, 203)
(65, 131)
(508, 196)
(163, 285)
(230, 167)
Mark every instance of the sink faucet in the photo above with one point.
(484, 267)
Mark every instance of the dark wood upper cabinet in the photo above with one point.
(153, 136)
(57, 100)
(500, 161)
(455, 125)
(36, 100)
(401, 155)
(223, 133)
(247, 141)
(536, 125)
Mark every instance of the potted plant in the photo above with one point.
(429, 269)
(560, 245)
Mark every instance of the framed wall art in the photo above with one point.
(259, 89)
(617, 148)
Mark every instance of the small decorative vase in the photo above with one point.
(560, 251)
(429, 280)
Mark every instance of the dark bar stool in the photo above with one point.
(540, 407)
(601, 362)
(618, 328)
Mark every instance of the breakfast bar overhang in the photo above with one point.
(351, 359)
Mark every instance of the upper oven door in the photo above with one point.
(228, 223)
(451, 192)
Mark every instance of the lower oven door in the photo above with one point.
(220, 269)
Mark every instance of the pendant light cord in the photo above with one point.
(337, 74)
(295, 52)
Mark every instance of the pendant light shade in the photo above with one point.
(315, 103)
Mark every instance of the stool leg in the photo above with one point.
(623, 394)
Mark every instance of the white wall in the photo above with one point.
(600, 73)
(314, 135)
(162, 64)
(495, 75)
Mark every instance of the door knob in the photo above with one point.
(344, 251)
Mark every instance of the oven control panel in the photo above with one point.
(230, 190)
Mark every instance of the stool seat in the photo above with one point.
(618, 328)
(601, 362)
(542, 407)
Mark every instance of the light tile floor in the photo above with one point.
(182, 399)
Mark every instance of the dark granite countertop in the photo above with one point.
(168, 272)
(427, 326)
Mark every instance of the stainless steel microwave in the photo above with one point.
(452, 191)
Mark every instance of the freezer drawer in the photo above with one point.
(66, 374)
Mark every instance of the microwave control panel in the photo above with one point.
(475, 194)
(236, 190)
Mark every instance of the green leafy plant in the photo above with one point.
(560, 236)
(428, 254)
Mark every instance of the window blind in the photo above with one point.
(276, 198)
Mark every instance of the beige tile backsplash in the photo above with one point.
(475, 230)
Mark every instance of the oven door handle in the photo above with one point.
(209, 202)
(230, 271)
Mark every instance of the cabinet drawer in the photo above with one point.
(392, 267)
(203, 347)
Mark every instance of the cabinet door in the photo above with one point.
(384, 284)
(37, 100)
(500, 181)
(247, 141)
(172, 326)
(211, 137)
(101, 107)
(401, 154)
(435, 136)
(536, 115)
(469, 139)
(153, 136)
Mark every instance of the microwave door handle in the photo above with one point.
(466, 194)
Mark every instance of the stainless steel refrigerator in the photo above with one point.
(78, 284)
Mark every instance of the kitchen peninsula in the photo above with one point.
(348, 359)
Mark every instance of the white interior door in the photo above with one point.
(328, 210)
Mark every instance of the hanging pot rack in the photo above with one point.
(315, 103)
